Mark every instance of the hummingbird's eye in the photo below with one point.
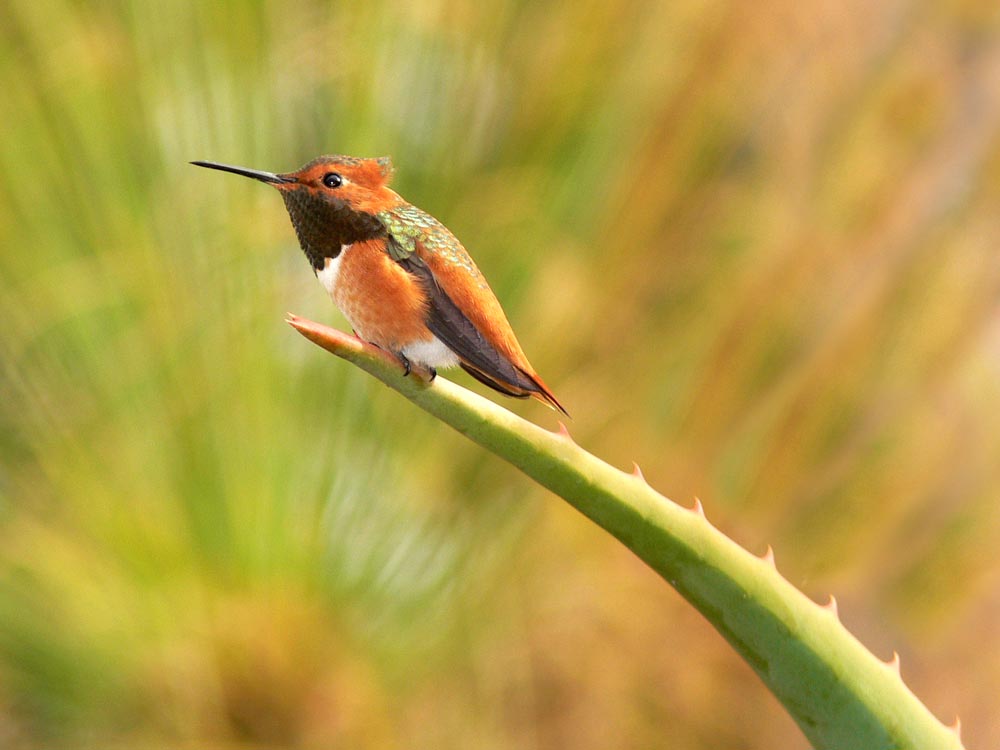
(333, 180)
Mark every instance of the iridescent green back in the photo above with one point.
(408, 225)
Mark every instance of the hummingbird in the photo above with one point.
(400, 277)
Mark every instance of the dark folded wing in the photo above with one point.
(446, 321)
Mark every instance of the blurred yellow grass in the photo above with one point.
(753, 247)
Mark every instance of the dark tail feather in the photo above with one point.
(485, 379)
(537, 390)
(544, 395)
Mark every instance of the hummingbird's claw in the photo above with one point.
(405, 362)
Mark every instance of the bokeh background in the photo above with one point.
(752, 246)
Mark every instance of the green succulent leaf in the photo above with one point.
(841, 695)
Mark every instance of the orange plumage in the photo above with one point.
(381, 300)
(401, 278)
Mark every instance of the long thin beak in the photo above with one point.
(271, 177)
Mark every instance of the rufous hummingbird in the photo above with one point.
(399, 276)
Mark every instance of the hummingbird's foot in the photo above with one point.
(405, 362)
(426, 373)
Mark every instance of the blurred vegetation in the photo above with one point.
(751, 246)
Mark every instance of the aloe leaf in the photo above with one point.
(841, 695)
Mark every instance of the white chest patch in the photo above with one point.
(328, 276)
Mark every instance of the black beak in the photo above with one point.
(274, 179)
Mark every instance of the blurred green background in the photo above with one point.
(753, 246)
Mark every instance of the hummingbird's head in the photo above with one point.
(332, 200)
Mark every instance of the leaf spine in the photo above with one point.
(831, 606)
(956, 727)
(768, 557)
(698, 509)
(893, 663)
(564, 433)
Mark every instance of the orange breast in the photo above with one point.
(383, 302)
